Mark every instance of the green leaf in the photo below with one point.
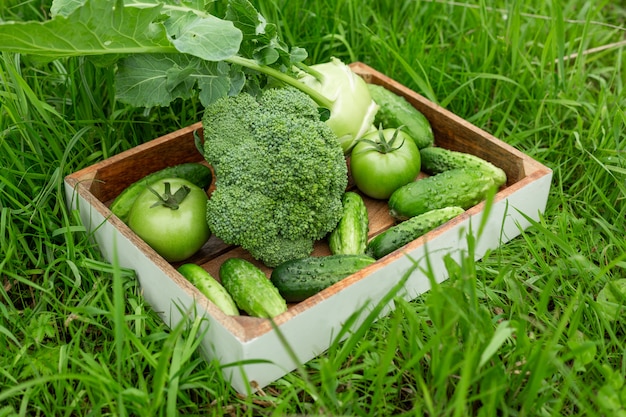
(164, 51)
(158, 79)
(583, 350)
(96, 28)
(298, 54)
(612, 299)
(247, 19)
(223, 81)
(206, 37)
(260, 38)
(65, 7)
(91, 27)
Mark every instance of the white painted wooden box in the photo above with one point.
(309, 326)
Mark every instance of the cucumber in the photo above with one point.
(196, 173)
(399, 235)
(436, 160)
(350, 235)
(252, 291)
(210, 287)
(298, 279)
(395, 111)
(460, 187)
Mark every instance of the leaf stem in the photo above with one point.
(311, 71)
(319, 98)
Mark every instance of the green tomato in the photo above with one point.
(170, 216)
(383, 161)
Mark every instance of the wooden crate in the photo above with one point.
(309, 326)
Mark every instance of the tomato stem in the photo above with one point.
(382, 145)
(169, 200)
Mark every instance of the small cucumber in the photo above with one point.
(196, 173)
(436, 160)
(395, 111)
(299, 279)
(210, 287)
(350, 235)
(460, 187)
(399, 235)
(252, 291)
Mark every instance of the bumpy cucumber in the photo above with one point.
(461, 187)
(210, 287)
(399, 235)
(194, 172)
(350, 235)
(436, 160)
(395, 111)
(299, 279)
(252, 291)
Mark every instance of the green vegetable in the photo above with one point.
(383, 161)
(210, 287)
(399, 235)
(196, 173)
(612, 299)
(353, 110)
(299, 279)
(252, 291)
(169, 51)
(396, 111)
(280, 174)
(436, 160)
(460, 187)
(169, 216)
(350, 235)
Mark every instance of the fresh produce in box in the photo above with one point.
(299, 279)
(196, 173)
(169, 215)
(353, 109)
(350, 235)
(280, 173)
(436, 160)
(462, 187)
(210, 287)
(395, 111)
(384, 160)
(407, 231)
(252, 291)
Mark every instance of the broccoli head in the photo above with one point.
(280, 173)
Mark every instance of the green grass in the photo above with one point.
(518, 333)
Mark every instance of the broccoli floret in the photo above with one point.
(280, 173)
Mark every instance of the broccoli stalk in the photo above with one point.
(280, 173)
